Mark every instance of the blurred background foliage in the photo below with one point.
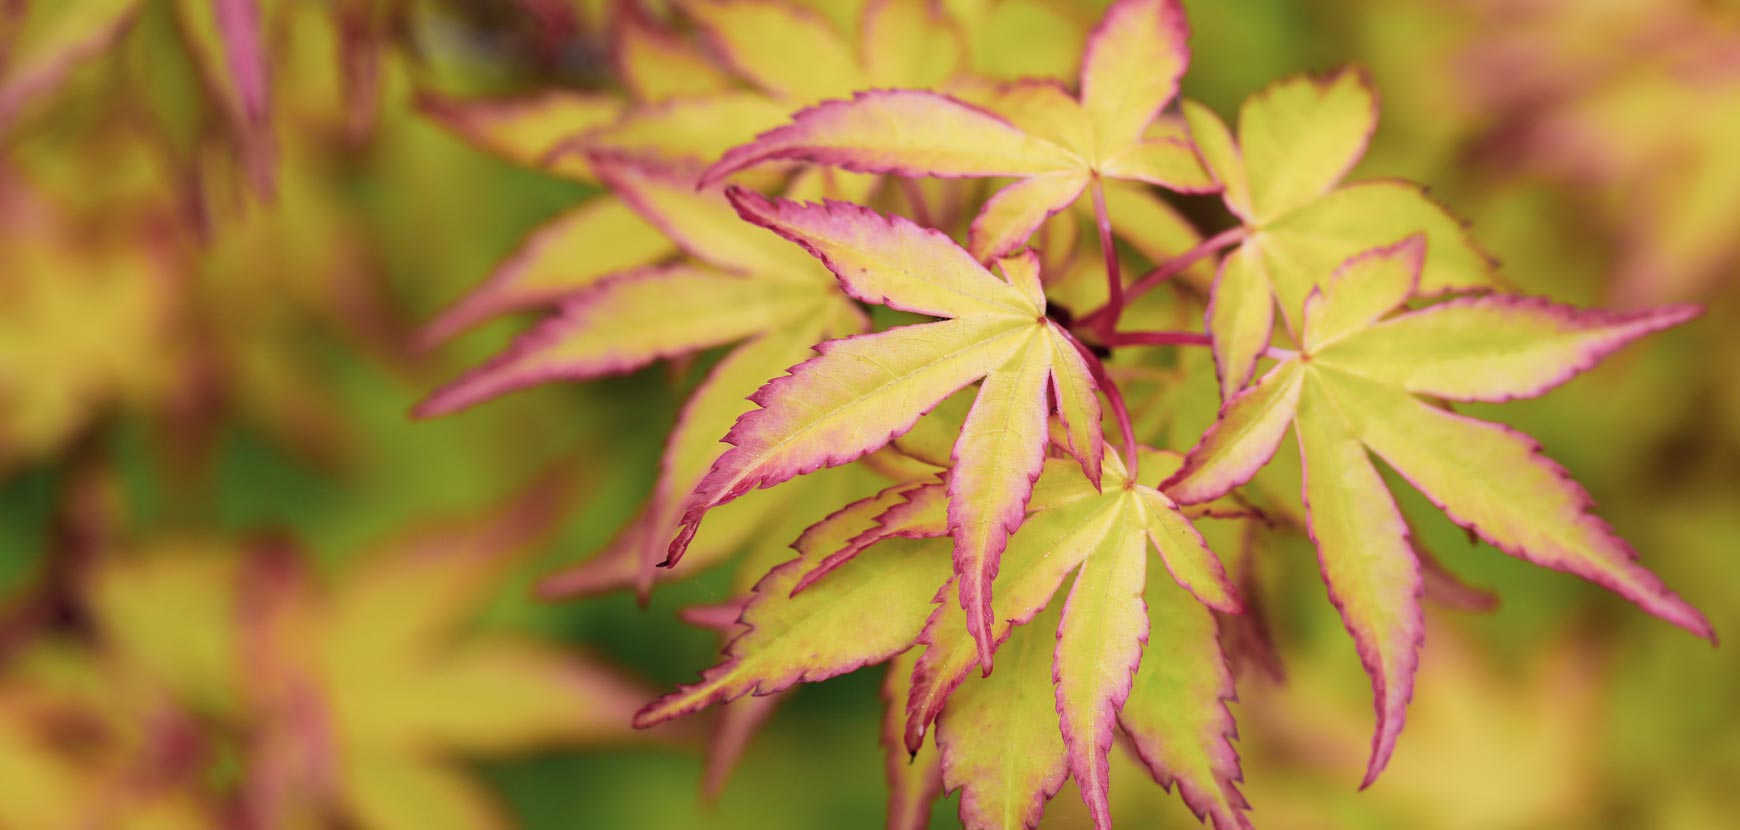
(210, 490)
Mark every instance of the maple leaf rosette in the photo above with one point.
(988, 522)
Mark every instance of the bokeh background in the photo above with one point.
(208, 477)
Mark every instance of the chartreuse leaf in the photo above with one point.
(1041, 555)
(1103, 627)
(786, 49)
(1099, 645)
(1052, 142)
(1296, 140)
(1130, 70)
(910, 43)
(752, 287)
(1176, 714)
(748, 285)
(52, 39)
(678, 130)
(988, 748)
(799, 55)
(656, 64)
(571, 252)
(914, 780)
(922, 513)
(364, 676)
(862, 392)
(1349, 392)
(999, 738)
(868, 610)
(758, 527)
(579, 247)
(527, 130)
(1368, 564)
(1011, 39)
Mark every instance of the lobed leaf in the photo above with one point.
(680, 130)
(886, 260)
(1099, 644)
(1241, 440)
(1298, 228)
(1000, 453)
(571, 252)
(909, 43)
(1368, 563)
(1039, 557)
(1013, 213)
(525, 130)
(914, 779)
(1240, 318)
(904, 132)
(1192, 565)
(1496, 483)
(1131, 66)
(656, 64)
(1176, 714)
(852, 399)
(628, 322)
(922, 513)
(1078, 408)
(1220, 154)
(1494, 348)
(1347, 400)
(702, 221)
(1300, 136)
(870, 609)
(785, 49)
(999, 740)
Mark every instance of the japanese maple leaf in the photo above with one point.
(862, 392)
(560, 132)
(357, 693)
(1351, 389)
(1296, 141)
(568, 253)
(796, 54)
(1054, 143)
(740, 285)
(684, 110)
(1010, 738)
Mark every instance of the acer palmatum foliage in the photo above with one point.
(976, 516)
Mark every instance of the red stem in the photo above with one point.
(1132, 461)
(920, 210)
(1114, 273)
(1179, 338)
(1157, 338)
(1105, 318)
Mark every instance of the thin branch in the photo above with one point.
(915, 194)
(1157, 338)
(1106, 317)
(1114, 273)
(1115, 398)
(1180, 338)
